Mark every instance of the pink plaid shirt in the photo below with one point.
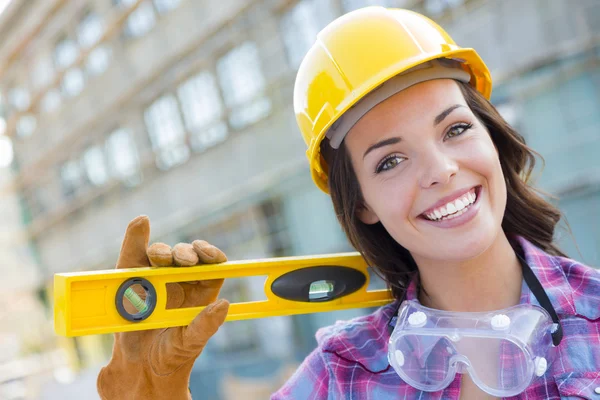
(351, 359)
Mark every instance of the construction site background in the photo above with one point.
(182, 110)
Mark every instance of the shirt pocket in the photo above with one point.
(579, 385)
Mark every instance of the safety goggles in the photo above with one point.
(502, 351)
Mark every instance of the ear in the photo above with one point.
(366, 215)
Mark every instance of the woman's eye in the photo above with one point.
(389, 163)
(458, 130)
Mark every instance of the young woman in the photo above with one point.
(430, 185)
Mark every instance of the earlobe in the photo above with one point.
(366, 215)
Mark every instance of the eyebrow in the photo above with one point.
(386, 142)
(395, 140)
(445, 113)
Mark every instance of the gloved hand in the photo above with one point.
(156, 364)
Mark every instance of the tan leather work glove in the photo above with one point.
(156, 364)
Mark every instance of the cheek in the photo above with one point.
(483, 160)
(391, 200)
(479, 154)
(500, 190)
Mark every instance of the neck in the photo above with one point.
(490, 281)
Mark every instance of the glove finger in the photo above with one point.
(175, 295)
(135, 243)
(208, 253)
(176, 346)
(184, 255)
(160, 255)
(200, 293)
(205, 325)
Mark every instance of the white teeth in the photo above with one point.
(457, 214)
(451, 208)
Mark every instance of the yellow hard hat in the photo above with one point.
(362, 51)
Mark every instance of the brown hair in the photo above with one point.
(527, 214)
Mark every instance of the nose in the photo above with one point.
(438, 168)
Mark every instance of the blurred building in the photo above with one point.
(181, 110)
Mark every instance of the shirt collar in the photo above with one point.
(551, 275)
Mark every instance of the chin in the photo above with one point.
(462, 249)
(465, 248)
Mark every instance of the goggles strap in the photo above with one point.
(536, 288)
(542, 297)
(392, 322)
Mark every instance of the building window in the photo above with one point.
(51, 101)
(243, 84)
(301, 24)
(140, 21)
(209, 137)
(90, 30)
(164, 6)
(95, 166)
(98, 60)
(26, 125)
(19, 98)
(41, 73)
(202, 111)
(73, 82)
(166, 132)
(65, 53)
(122, 157)
(70, 178)
(6, 151)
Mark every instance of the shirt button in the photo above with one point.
(597, 390)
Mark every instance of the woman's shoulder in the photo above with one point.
(574, 290)
(573, 287)
(584, 282)
(359, 340)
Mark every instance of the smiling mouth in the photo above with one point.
(453, 208)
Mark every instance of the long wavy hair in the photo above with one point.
(527, 214)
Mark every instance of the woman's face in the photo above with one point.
(429, 172)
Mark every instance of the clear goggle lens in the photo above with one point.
(502, 351)
(431, 362)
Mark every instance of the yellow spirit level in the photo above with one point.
(105, 301)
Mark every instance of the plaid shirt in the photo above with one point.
(351, 359)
